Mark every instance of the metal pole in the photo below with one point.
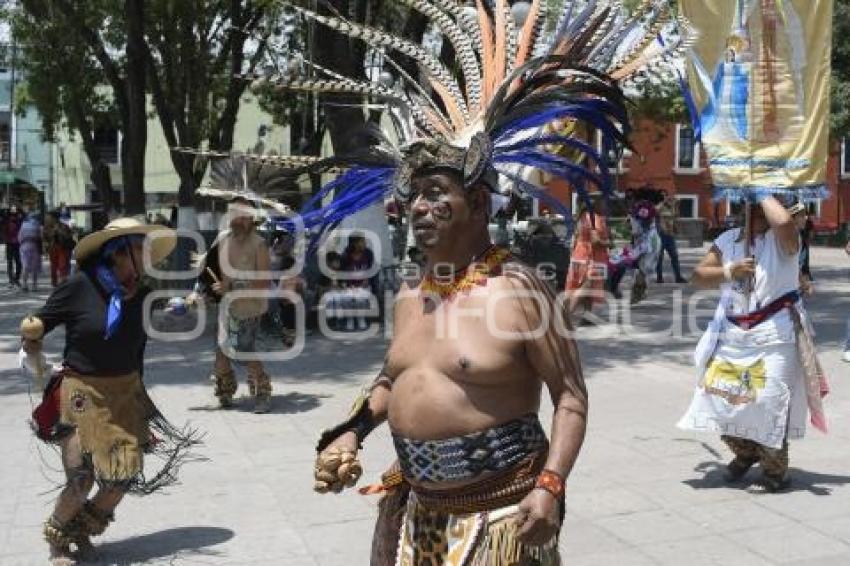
(748, 236)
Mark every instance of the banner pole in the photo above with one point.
(748, 238)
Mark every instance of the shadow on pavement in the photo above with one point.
(183, 541)
(815, 483)
(289, 404)
(712, 478)
(801, 480)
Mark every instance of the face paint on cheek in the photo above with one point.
(442, 211)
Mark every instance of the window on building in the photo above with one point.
(687, 150)
(688, 206)
(814, 208)
(5, 58)
(525, 209)
(107, 140)
(5, 137)
(845, 157)
(610, 157)
(734, 208)
(5, 144)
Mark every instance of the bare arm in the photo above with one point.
(556, 361)
(782, 224)
(709, 274)
(350, 434)
(554, 357)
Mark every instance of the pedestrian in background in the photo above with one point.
(11, 227)
(588, 260)
(668, 213)
(59, 243)
(357, 261)
(30, 240)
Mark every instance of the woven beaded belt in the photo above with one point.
(506, 488)
(466, 457)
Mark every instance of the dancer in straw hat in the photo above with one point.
(95, 406)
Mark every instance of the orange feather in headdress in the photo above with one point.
(528, 37)
(500, 59)
(487, 66)
(451, 104)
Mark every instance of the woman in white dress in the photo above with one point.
(753, 388)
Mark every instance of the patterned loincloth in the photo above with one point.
(437, 538)
(471, 525)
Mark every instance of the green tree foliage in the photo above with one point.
(197, 53)
(81, 67)
(91, 64)
(311, 117)
(840, 121)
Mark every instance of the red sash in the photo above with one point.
(753, 319)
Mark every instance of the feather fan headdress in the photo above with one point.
(489, 117)
(239, 178)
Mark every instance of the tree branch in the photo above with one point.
(95, 42)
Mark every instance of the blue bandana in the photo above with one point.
(109, 282)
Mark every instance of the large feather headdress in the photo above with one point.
(238, 177)
(489, 116)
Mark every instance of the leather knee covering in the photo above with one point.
(225, 384)
(262, 383)
(92, 521)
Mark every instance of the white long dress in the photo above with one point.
(751, 381)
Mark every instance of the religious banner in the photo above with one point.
(759, 74)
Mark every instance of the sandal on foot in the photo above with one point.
(59, 539)
(86, 551)
(262, 405)
(769, 484)
(736, 470)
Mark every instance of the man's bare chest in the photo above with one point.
(462, 344)
(239, 256)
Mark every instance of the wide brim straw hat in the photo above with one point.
(162, 243)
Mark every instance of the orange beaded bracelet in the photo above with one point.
(551, 482)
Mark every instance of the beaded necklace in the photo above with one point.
(473, 275)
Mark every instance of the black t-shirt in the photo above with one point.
(80, 304)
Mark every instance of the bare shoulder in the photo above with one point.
(530, 293)
(518, 275)
(407, 296)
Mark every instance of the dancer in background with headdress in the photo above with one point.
(238, 260)
(641, 255)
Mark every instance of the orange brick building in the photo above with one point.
(667, 157)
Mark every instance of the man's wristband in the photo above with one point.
(361, 421)
(552, 482)
(727, 271)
